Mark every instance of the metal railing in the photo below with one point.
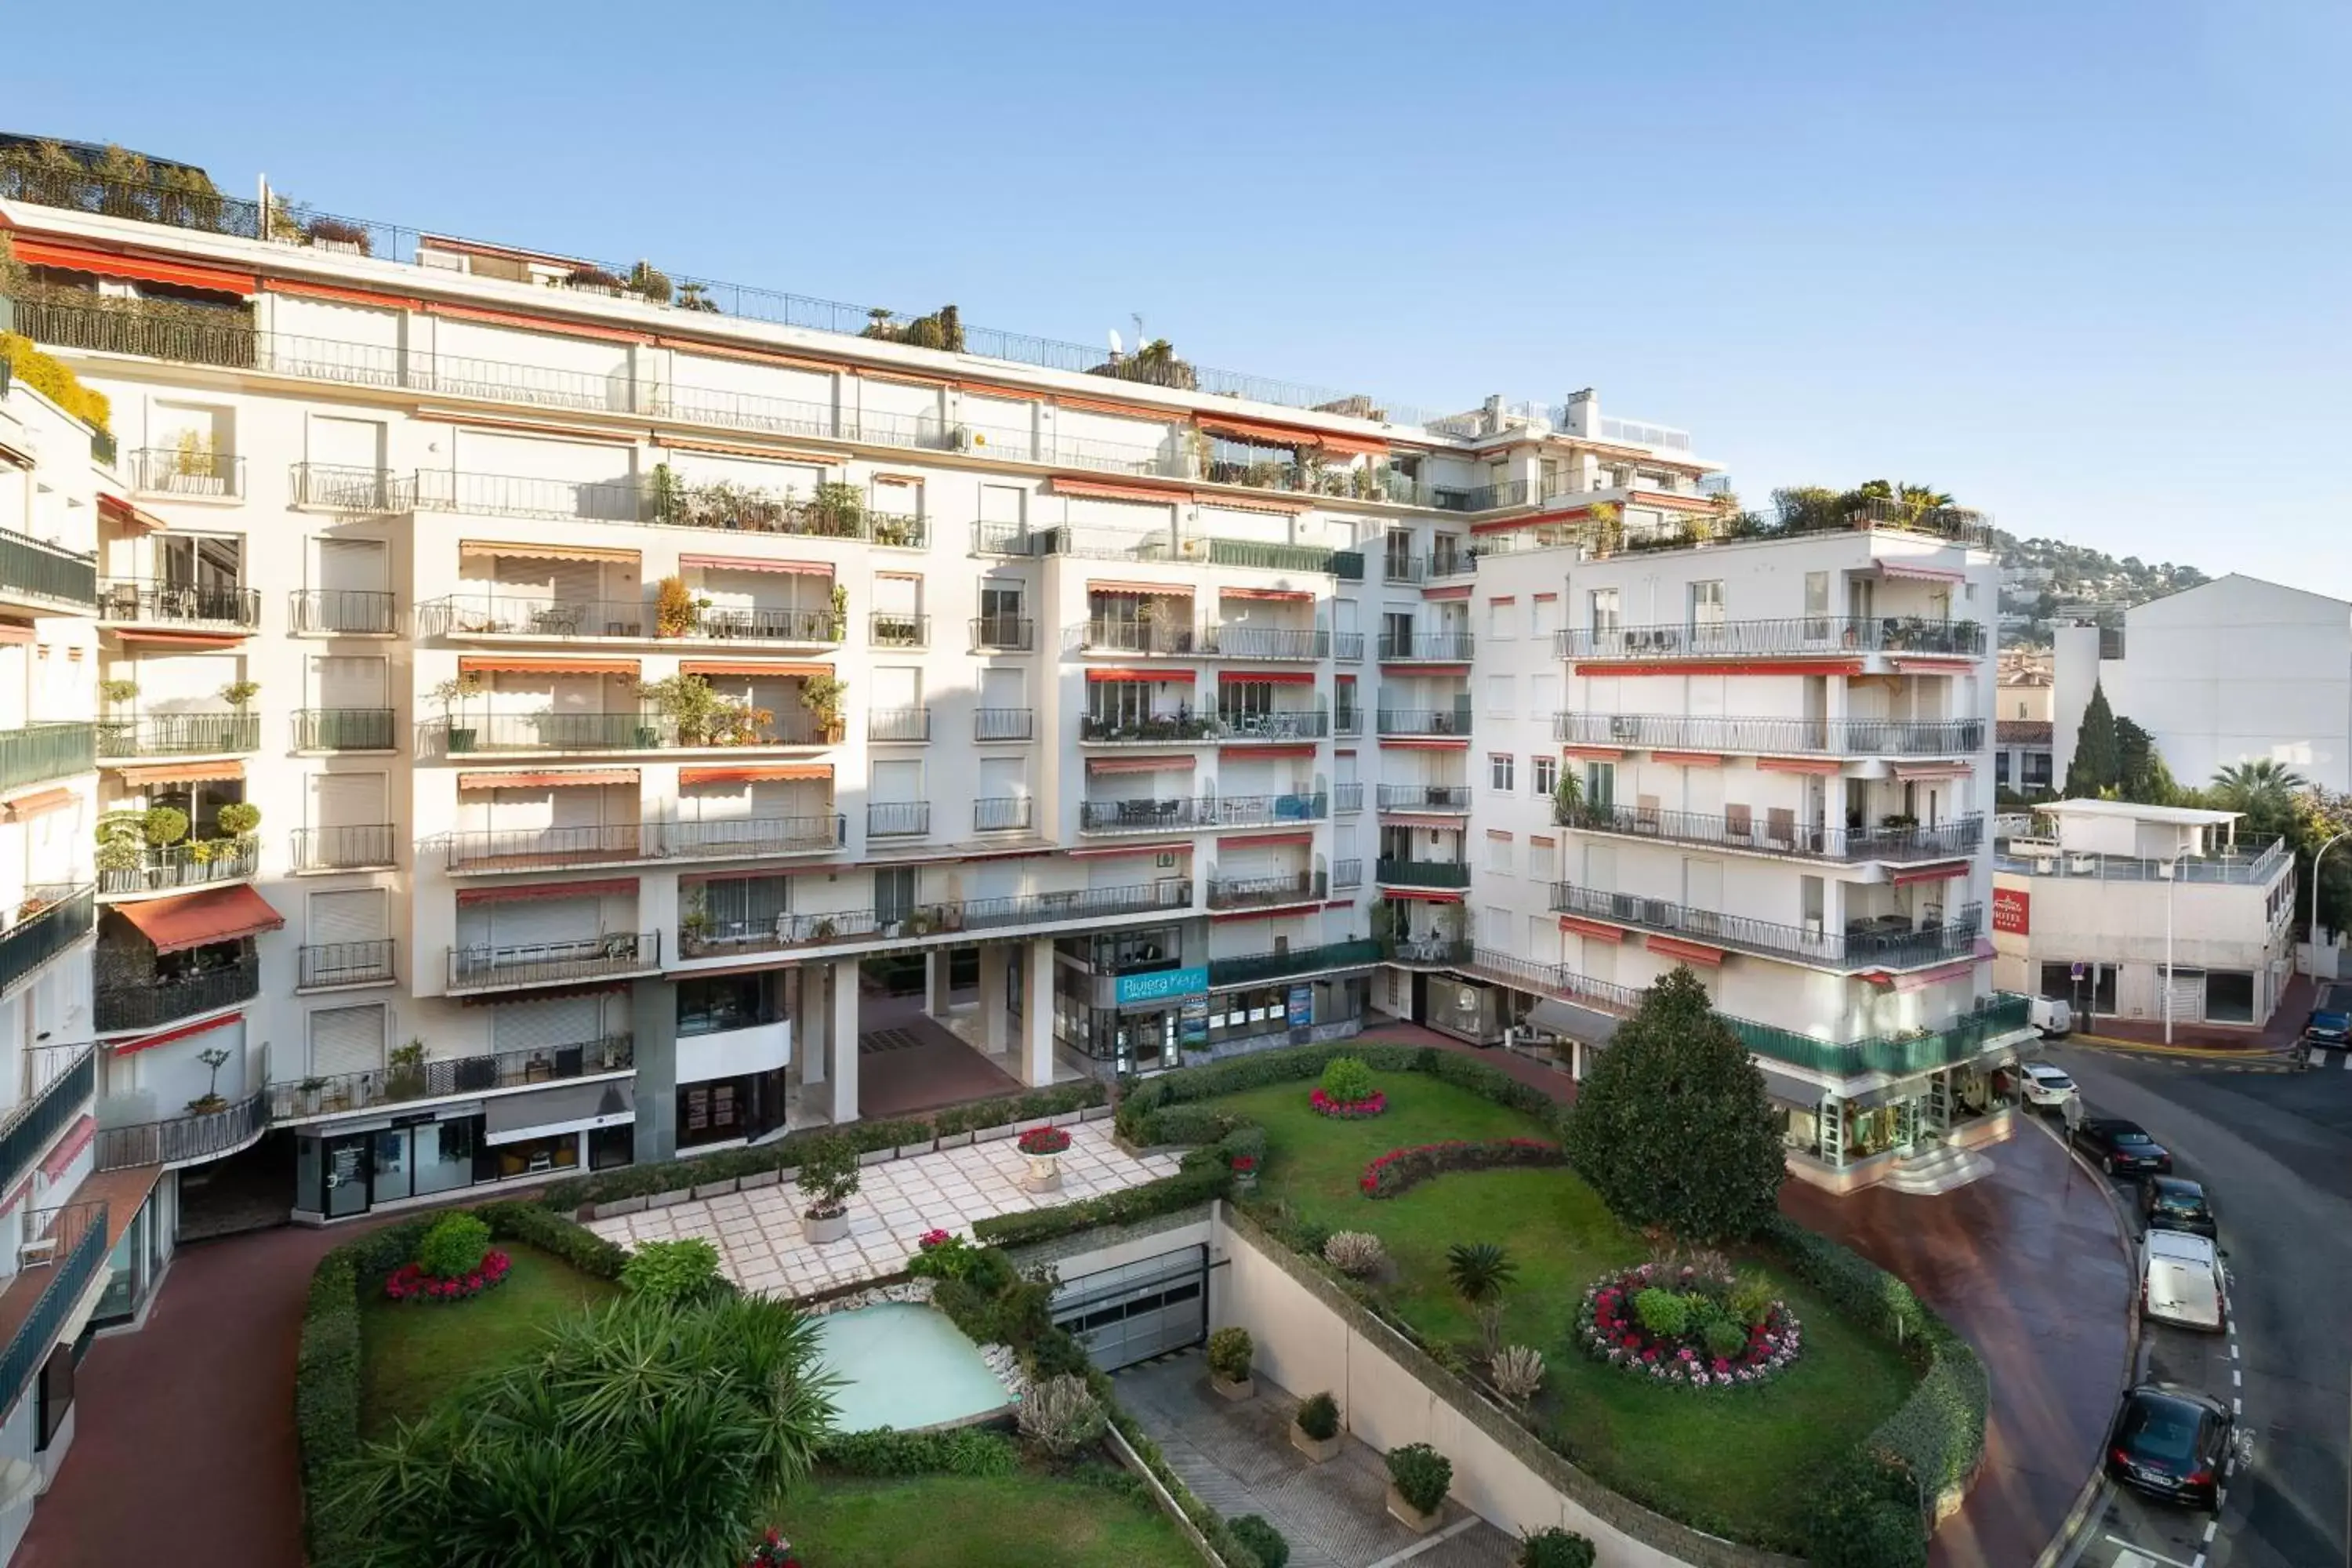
(1003, 634)
(346, 848)
(167, 868)
(176, 1140)
(33, 569)
(1280, 724)
(722, 838)
(1258, 810)
(1395, 568)
(1348, 722)
(1248, 968)
(1406, 873)
(1003, 814)
(168, 471)
(1158, 729)
(1002, 723)
(1348, 647)
(178, 604)
(1260, 892)
(1220, 641)
(103, 448)
(40, 752)
(1265, 556)
(1346, 874)
(1427, 951)
(885, 628)
(440, 1077)
(2253, 863)
(347, 963)
(1965, 1036)
(550, 732)
(490, 967)
(898, 724)
(1787, 635)
(59, 1252)
(1446, 798)
(1147, 816)
(168, 998)
(1886, 942)
(1483, 498)
(1136, 636)
(763, 624)
(329, 486)
(179, 734)
(344, 729)
(1829, 737)
(898, 818)
(1552, 979)
(919, 920)
(1779, 835)
(344, 612)
(1347, 798)
(531, 615)
(1418, 647)
(1422, 721)
(54, 1104)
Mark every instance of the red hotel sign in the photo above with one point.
(2012, 911)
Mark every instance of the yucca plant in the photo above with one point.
(1478, 1271)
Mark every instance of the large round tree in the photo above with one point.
(1672, 1127)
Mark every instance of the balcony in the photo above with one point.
(365, 848)
(615, 955)
(1249, 969)
(1268, 810)
(54, 1103)
(1780, 834)
(899, 725)
(1818, 636)
(1348, 722)
(167, 999)
(1146, 638)
(443, 1078)
(463, 617)
(1347, 799)
(341, 611)
(179, 735)
(918, 921)
(59, 1256)
(142, 601)
(39, 752)
(1427, 951)
(176, 868)
(44, 576)
(1003, 814)
(61, 917)
(1964, 1038)
(185, 472)
(1346, 874)
(1002, 723)
(1889, 942)
(550, 731)
(1003, 634)
(1163, 816)
(344, 729)
(886, 629)
(1272, 644)
(1774, 737)
(1178, 729)
(326, 965)
(1484, 498)
(352, 492)
(898, 818)
(179, 1140)
(1405, 873)
(1235, 728)
(1452, 799)
(1427, 647)
(720, 838)
(1444, 721)
(1269, 892)
(1348, 648)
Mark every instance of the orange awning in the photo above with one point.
(114, 508)
(545, 552)
(1826, 767)
(1353, 446)
(1422, 895)
(756, 772)
(1140, 675)
(184, 772)
(1300, 594)
(1127, 851)
(801, 667)
(1593, 929)
(185, 639)
(1278, 677)
(147, 269)
(1725, 667)
(1688, 759)
(1594, 753)
(164, 1037)
(1098, 490)
(1258, 841)
(756, 563)
(38, 803)
(486, 664)
(1943, 873)
(1138, 765)
(1393, 743)
(216, 914)
(614, 886)
(582, 778)
(1123, 590)
(1249, 751)
(1688, 952)
(767, 453)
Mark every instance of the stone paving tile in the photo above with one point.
(758, 1232)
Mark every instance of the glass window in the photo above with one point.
(1543, 775)
(443, 1153)
(2228, 998)
(1604, 603)
(1499, 768)
(1706, 603)
(712, 1005)
(529, 1157)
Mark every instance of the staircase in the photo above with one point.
(1936, 1171)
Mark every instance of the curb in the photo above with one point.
(2234, 1060)
(2088, 1496)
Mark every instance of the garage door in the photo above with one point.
(1139, 1310)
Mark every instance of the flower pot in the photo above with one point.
(1235, 1389)
(1319, 1451)
(818, 1230)
(647, 737)
(1043, 1175)
(1412, 1517)
(460, 741)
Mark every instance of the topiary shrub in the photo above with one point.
(1421, 1475)
(237, 819)
(454, 1247)
(1265, 1543)
(1230, 1354)
(1662, 1311)
(681, 1270)
(1347, 1080)
(1552, 1547)
(1318, 1417)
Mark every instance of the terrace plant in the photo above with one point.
(239, 694)
(1230, 1351)
(117, 693)
(648, 283)
(828, 1179)
(683, 1270)
(337, 233)
(1061, 1415)
(838, 509)
(1421, 1477)
(1518, 1373)
(1479, 1272)
(164, 825)
(822, 695)
(674, 607)
(237, 819)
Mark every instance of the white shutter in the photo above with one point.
(1001, 504)
(536, 1025)
(1702, 884)
(354, 916)
(354, 566)
(527, 922)
(896, 783)
(346, 443)
(347, 1039)
(1003, 778)
(341, 681)
(1003, 686)
(347, 800)
(895, 593)
(896, 685)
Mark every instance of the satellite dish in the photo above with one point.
(1116, 347)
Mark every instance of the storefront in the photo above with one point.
(342, 1171)
(734, 1047)
(1151, 1016)
(1829, 1134)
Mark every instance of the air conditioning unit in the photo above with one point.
(1623, 727)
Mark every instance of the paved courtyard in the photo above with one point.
(758, 1232)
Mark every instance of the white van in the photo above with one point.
(2054, 1018)
(2180, 1280)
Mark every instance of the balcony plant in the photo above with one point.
(210, 1100)
(695, 297)
(337, 234)
(942, 329)
(195, 456)
(237, 819)
(594, 281)
(1314, 1430)
(838, 511)
(648, 283)
(828, 1179)
(403, 1076)
(164, 825)
(1419, 1478)
(117, 693)
(449, 694)
(822, 695)
(674, 607)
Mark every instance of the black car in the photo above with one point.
(2120, 1146)
(2176, 1203)
(2170, 1441)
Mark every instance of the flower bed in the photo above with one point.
(1348, 1110)
(411, 1283)
(1692, 1327)
(1043, 1140)
(1400, 1170)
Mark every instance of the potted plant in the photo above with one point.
(336, 233)
(1230, 1351)
(403, 1076)
(1044, 1147)
(695, 925)
(828, 1180)
(312, 1090)
(838, 511)
(1419, 1478)
(822, 695)
(211, 1099)
(674, 614)
(594, 281)
(1314, 1430)
(1245, 1169)
(448, 694)
(648, 283)
(238, 819)
(840, 602)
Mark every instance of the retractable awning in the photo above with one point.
(584, 778)
(779, 669)
(216, 914)
(1146, 676)
(184, 772)
(756, 772)
(1138, 764)
(545, 552)
(550, 1113)
(757, 564)
(489, 664)
(1566, 1018)
(614, 886)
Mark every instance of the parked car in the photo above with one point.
(2180, 1280)
(2043, 1086)
(2176, 1203)
(2052, 1017)
(2171, 1442)
(2330, 1023)
(2121, 1146)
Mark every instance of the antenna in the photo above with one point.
(1116, 347)
(1137, 317)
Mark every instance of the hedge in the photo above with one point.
(1202, 1174)
(1401, 1170)
(674, 1175)
(965, 1451)
(1142, 1110)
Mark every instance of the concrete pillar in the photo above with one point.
(939, 965)
(653, 1017)
(809, 1019)
(1037, 1015)
(843, 1038)
(995, 1024)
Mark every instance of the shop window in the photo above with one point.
(715, 1005)
(2097, 993)
(2228, 998)
(528, 1157)
(612, 1146)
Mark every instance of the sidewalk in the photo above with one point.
(2274, 1038)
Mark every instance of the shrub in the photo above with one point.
(681, 1270)
(1062, 1415)
(1358, 1254)
(1866, 1515)
(1400, 1170)
(1662, 1313)
(951, 1257)
(1057, 1352)
(1518, 1373)
(965, 1451)
(829, 1176)
(1318, 1417)
(52, 380)
(1725, 1339)
(1347, 1080)
(1230, 1353)
(237, 819)
(454, 1247)
(1750, 1297)
(1552, 1547)
(1265, 1542)
(1180, 1124)
(1422, 1475)
(575, 1244)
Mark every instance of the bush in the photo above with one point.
(1750, 1297)
(1318, 1417)
(1265, 1543)
(454, 1247)
(1401, 1170)
(1230, 1353)
(1062, 1415)
(1518, 1373)
(1359, 1254)
(1057, 1352)
(52, 380)
(575, 1244)
(1552, 1547)
(1662, 1311)
(828, 1176)
(1725, 1339)
(1422, 1476)
(238, 818)
(965, 1451)
(1205, 1174)
(1347, 1080)
(681, 1270)
(1866, 1515)
(1181, 1124)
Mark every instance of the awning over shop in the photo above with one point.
(498, 664)
(756, 772)
(757, 564)
(1575, 1023)
(549, 1112)
(616, 886)
(184, 772)
(216, 914)
(583, 778)
(1787, 1089)
(545, 552)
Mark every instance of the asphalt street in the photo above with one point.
(2274, 1152)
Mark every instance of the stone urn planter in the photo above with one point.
(1042, 1147)
(819, 1227)
(827, 1178)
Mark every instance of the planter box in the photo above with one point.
(1412, 1517)
(788, 1174)
(1034, 1121)
(619, 1206)
(875, 1156)
(1096, 1113)
(907, 1149)
(955, 1139)
(757, 1179)
(1246, 1388)
(675, 1195)
(994, 1135)
(714, 1189)
(819, 1232)
(1067, 1119)
(1321, 1450)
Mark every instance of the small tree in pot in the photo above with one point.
(448, 694)
(828, 1180)
(1314, 1430)
(1230, 1353)
(1419, 1478)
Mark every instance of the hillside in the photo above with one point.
(2047, 580)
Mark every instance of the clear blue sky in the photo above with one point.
(2082, 264)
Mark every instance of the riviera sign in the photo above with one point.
(1167, 985)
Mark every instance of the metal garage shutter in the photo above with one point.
(1143, 1310)
(347, 1039)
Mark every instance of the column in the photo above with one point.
(939, 964)
(1037, 1015)
(843, 1038)
(995, 1033)
(809, 1019)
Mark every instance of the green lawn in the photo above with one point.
(971, 1522)
(1735, 1461)
(412, 1354)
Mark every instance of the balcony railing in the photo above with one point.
(1166, 814)
(344, 729)
(346, 848)
(1785, 836)
(171, 471)
(1397, 568)
(347, 963)
(1003, 634)
(1250, 968)
(1348, 722)
(1405, 873)
(1348, 647)
(899, 723)
(1156, 729)
(1003, 814)
(1446, 798)
(1259, 810)
(1422, 721)
(1346, 874)
(1002, 723)
(329, 486)
(1262, 893)
(1427, 647)
(1267, 556)
(167, 999)
(31, 569)
(441, 1077)
(39, 752)
(550, 731)
(1273, 643)
(1553, 980)
(178, 604)
(179, 735)
(2251, 862)
(1787, 636)
(32, 1125)
(1965, 1036)
(898, 818)
(173, 867)
(61, 1252)
(524, 616)
(722, 838)
(1889, 942)
(64, 915)
(177, 1140)
(886, 628)
(493, 968)
(1427, 951)
(1281, 724)
(1828, 737)
(1137, 637)
(1347, 798)
(837, 927)
(341, 611)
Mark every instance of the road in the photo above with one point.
(2275, 1152)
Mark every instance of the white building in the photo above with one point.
(2235, 670)
(2094, 901)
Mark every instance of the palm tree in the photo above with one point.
(2263, 781)
(1478, 1270)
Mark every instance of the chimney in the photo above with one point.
(1492, 424)
(1583, 413)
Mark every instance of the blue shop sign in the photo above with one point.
(1167, 985)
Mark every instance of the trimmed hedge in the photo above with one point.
(1402, 1170)
(1144, 1106)
(966, 1451)
(1202, 1174)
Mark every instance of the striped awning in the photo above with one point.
(756, 772)
(613, 887)
(216, 914)
(1826, 767)
(757, 564)
(1300, 595)
(1593, 929)
(184, 772)
(782, 669)
(144, 268)
(39, 803)
(583, 778)
(545, 552)
(1943, 873)
(1098, 491)
(1932, 769)
(1920, 573)
(1148, 675)
(184, 641)
(1135, 590)
(1688, 952)
(491, 663)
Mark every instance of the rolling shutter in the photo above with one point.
(354, 916)
(346, 800)
(543, 1025)
(347, 1039)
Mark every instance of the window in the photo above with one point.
(1501, 857)
(1604, 609)
(1502, 695)
(1543, 775)
(1817, 606)
(715, 1005)
(1543, 697)
(346, 1040)
(1706, 603)
(204, 564)
(1543, 615)
(1343, 704)
(2000, 769)
(1600, 784)
(1499, 766)
(1500, 614)
(1240, 699)
(894, 893)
